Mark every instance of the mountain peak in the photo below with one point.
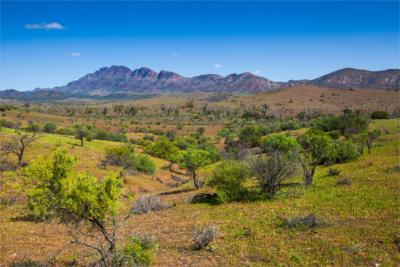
(144, 72)
(169, 75)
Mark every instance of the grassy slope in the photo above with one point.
(363, 218)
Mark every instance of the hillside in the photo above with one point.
(361, 218)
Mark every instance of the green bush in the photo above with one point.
(163, 148)
(138, 251)
(8, 124)
(125, 157)
(103, 135)
(345, 151)
(49, 127)
(144, 163)
(228, 179)
(65, 131)
(33, 127)
(251, 135)
(379, 115)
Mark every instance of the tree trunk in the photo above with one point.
(82, 142)
(308, 175)
(20, 161)
(195, 182)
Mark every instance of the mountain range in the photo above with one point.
(122, 82)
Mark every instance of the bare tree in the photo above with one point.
(18, 146)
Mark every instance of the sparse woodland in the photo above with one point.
(197, 182)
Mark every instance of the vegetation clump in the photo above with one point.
(303, 222)
(228, 179)
(203, 236)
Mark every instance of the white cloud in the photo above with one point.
(45, 26)
(217, 65)
(76, 54)
(257, 71)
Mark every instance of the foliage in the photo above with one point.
(49, 127)
(272, 169)
(317, 148)
(9, 124)
(104, 135)
(303, 222)
(379, 115)
(84, 204)
(65, 131)
(228, 178)
(138, 251)
(46, 176)
(32, 127)
(345, 151)
(82, 132)
(251, 135)
(282, 143)
(125, 157)
(370, 138)
(192, 159)
(144, 163)
(163, 148)
(348, 123)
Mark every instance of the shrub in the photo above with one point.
(163, 148)
(203, 236)
(290, 125)
(333, 172)
(251, 135)
(33, 127)
(120, 156)
(65, 131)
(145, 204)
(49, 127)
(125, 157)
(139, 251)
(9, 124)
(228, 179)
(103, 135)
(379, 115)
(345, 151)
(303, 222)
(144, 163)
(343, 181)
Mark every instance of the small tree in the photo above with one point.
(370, 138)
(192, 159)
(86, 206)
(273, 168)
(81, 132)
(18, 146)
(316, 148)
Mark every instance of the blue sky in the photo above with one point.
(45, 44)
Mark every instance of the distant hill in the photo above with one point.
(355, 78)
(120, 82)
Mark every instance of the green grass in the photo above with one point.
(362, 218)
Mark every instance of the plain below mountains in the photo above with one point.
(121, 82)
